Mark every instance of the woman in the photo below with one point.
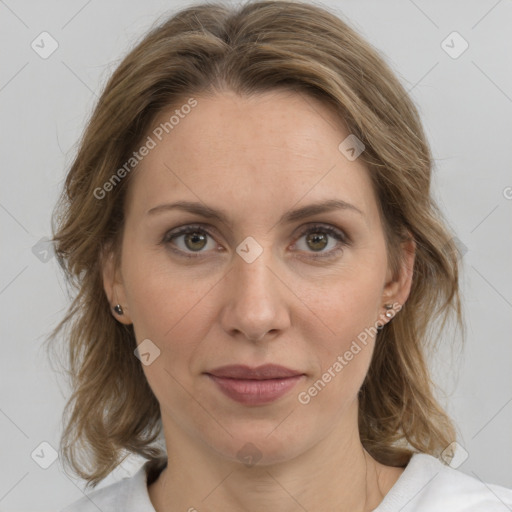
(258, 262)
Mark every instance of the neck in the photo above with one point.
(336, 474)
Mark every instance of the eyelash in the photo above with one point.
(340, 236)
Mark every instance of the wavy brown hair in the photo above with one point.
(254, 48)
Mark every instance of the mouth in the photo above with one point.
(255, 386)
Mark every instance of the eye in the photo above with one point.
(191, 239)
(317, 239)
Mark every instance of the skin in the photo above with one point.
(256, 158)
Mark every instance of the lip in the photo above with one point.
(266, 371)
(254, 386)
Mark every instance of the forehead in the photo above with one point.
(268, 150)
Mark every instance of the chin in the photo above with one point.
(253, 446)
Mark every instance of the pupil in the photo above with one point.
(194, 238)
(316, 239)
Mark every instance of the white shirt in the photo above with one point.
(426, 485)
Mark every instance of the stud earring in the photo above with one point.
(389, 314)
(118, 309)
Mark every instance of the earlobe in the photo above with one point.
(114, 289)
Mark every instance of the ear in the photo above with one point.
(114, 286)
(397, 287)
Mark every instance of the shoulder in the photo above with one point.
(428, 485)
(105, 499)
(129, 494)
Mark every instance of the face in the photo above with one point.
(252, 284)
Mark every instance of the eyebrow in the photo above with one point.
(288, 217)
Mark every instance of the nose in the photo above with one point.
(255, 300)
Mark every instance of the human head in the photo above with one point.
(258, 48)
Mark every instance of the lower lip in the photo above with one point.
(255, 392)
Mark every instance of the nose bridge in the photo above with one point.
(252, 275)
(254, 304)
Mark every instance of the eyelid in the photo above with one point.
(180, 230)
(183, 230)
(329, 228)
(343, 239)
(339, 234)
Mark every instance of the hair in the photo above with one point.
(257, 47)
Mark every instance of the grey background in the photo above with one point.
(466, 106)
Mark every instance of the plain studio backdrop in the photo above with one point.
(453, 57)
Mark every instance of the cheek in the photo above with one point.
(170, 310)
(167, 306)
(346, 307)
(345, 304)
(342, 353)
(160, 305)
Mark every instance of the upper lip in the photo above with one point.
(266, 371)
